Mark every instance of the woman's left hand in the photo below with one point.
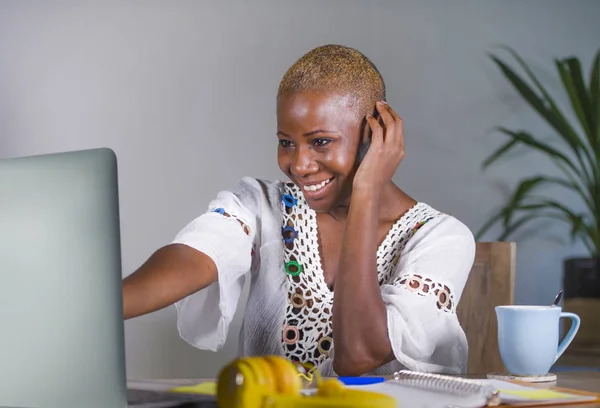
(385, 153)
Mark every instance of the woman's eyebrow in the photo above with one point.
(312, 132)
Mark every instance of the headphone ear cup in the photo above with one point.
(264, 373)
(239, 385)
(286, 375)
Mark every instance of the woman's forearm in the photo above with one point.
(359, 314)
(170, 274)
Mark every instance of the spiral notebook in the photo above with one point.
(421, 390)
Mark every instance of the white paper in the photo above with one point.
(419, 398)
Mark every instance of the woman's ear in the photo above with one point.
(365, 140)
(365, 129)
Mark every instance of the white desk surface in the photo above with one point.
(164, 384)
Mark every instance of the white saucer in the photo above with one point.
(550, 377)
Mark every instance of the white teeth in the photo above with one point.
(316, 187)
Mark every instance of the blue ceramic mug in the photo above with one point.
(528, 337)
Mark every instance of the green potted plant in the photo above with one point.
(578, 160)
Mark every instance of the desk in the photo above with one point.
(582, 380)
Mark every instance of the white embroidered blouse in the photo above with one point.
(266, 231)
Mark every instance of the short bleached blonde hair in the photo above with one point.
(338, 69)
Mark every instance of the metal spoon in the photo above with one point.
(557, 298)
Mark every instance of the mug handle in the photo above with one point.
(570, 335)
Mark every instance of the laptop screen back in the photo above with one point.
(61, 319)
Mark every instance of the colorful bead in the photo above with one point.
(414, 284)
(289, 240)
(419, 225)
(290, 264)
(324, 345)
(219, 210)
(297, 301)
(443, 295)
(291, 334)
(289, 200)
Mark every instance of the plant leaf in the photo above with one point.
(570, 216)
(553, 180)
(525, 219)
(499, 152)
(485, 227)
(547, 108)
(577, 228)
(519, 223)
(520, 192)
(588, 201)
(581, 170)
(569, 70)
(524, 188)
(595, 94)
(561, 182)
(533, 78)
(527, 139)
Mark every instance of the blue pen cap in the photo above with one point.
(361, 380)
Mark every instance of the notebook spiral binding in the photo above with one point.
(447, 384)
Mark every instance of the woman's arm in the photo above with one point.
(169, 275)
(359, 315)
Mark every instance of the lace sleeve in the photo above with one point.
(242, 223)
(227, 234)
(436, 291)
(421, 298)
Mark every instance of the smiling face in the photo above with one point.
(319, 135)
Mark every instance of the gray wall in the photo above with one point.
(184, 93)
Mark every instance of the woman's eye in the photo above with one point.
(321, 142)
(284, 143)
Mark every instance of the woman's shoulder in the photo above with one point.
(253, 196)
(256, 186)
(254, 190)
(449, 225)
(441, 227)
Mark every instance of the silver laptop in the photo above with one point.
(61, 314)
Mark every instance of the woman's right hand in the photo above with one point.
(385, 152)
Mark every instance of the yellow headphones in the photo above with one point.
(274, 382)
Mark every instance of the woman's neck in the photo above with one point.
(393, 203)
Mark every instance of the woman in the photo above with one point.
(348, 272)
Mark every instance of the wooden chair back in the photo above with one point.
(490, 283)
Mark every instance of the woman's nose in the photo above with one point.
(304, 162)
